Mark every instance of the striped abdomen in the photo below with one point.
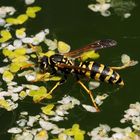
(100, 72)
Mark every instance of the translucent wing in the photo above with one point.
(100, 44)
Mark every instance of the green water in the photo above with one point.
(72, 22)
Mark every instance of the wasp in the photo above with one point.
(64, 65)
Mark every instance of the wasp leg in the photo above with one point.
(26, 66)
(121, 67)
(90, 94)
(55, 86)
(40, 77)
(129, 64)
(32, 47)
(50, 92)
(62, 81)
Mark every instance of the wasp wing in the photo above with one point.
(100, 44)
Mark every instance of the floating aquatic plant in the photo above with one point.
(5, 36)
(123, 7)
(46, 124)
(30, 13)
(20, 51)
(120, 7)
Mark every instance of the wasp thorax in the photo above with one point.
(57, 58)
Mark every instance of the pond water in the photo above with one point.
(72, 22)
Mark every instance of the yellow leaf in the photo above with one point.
(33, 56)
(31, 14)
(36, 8)
(7, 76)
(6, 35)
(79, 136)
(17, 55)
(22, 18)
(4, 104)
(31, 11)
(63, 47)
(132, 135)
(14, 67)
(40, 77)
(41, 135)
(22, 94)
(49, 53)
(76, 132)
(19, 20)
(89, 54)
(43, 90)
(40, 94)
(38, 98)
(20, 32)
(20, 58)
(10, 54)
(6, 52)
(75, 127)
(12, 21)
(20, 51)
(48, 109)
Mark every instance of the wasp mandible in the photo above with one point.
(64, 65)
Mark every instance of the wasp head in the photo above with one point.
(44, 64)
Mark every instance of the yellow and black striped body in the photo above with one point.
(100, 72)
(50, 64)
(90, 69)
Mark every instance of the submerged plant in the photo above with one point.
(123, 7)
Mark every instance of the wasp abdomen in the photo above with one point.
(100, 72)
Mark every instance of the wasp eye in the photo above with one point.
(44, 63)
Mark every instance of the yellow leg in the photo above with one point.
(26, 66)
(55, 86)
(33, 47)
(90, 94)
(122, 67)
(44, 97)
(40, 77)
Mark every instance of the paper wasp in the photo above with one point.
(64, 65)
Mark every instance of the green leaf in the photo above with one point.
(4, 104)
(76, 132)
(7, 76)
(48, 109)
(40, 94)
(31, 11)
(89, 54)
(5, 36)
